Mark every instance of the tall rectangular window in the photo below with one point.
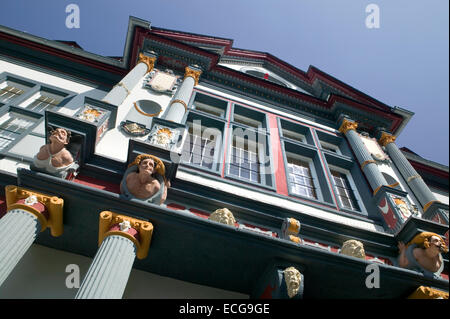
(344, 190)
(199, 150)
(244, 162)
(300, 178)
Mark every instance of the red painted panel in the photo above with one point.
(278, 164)
(175, 206)
(97, 183)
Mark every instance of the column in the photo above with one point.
(368, 165)
(121, 239)
(28, 214)
(18, 230)
(178, 106)
(108, 275)
(414, 180)
(122, 89)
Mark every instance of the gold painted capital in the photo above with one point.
(108, 219)
(149, 61)
(386, 138)
(53, 204)
(347, 125)
(195, 74)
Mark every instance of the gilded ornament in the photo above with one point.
(386, 138)
(149, 61)
(195, 74)
(347, 125)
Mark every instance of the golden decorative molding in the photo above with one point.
(376, 190)
(108, 219)
(53, 204)
(427, 205)
(295, 239)
(149, 61)
(367, 162)
(347, 125)
(195, 74)
(386, 139)
(428, 293)
(409, 179)
(181, 102)
(145, 114)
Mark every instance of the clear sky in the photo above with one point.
(404, 62)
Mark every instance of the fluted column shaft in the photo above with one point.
(18, 230)
(368, 165)
(122, 89)
(178, 105)
(414, 180)
(108, 274)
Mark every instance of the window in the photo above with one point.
(248, 153)
(203, 143)
(199, 148)
(329, 147)
(344, 191)
(300, 178)
(209, 105)
(12, 125)
(44, 100)
(245, 162)
(11, 89)
(295, 132)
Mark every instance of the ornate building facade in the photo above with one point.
(191, 169)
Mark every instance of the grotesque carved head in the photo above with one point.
(293, 279)
(353, 248)
(224, 216)
(158, 165)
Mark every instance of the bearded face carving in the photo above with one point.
(293, 279)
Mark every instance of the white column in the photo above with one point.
(108, 274)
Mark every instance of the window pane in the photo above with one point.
(344, 191)
(300, 178)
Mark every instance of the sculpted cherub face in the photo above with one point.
(292, 278)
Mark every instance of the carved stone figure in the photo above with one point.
(292, 278)
(423, 253)
(223, 215)
(353, 248)
(144, 179)
(54, 158)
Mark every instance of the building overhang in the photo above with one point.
(208, 253)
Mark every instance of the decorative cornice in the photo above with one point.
(148, 60)
(108, 219)
(347, 125)
(195, 74)
(386, 139)
(53, 204)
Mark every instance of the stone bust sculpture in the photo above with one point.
(53, 158)
(292, 278)
(423, 253)
(145, 180)
(353, 248)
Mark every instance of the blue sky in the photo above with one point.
(404, 62)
